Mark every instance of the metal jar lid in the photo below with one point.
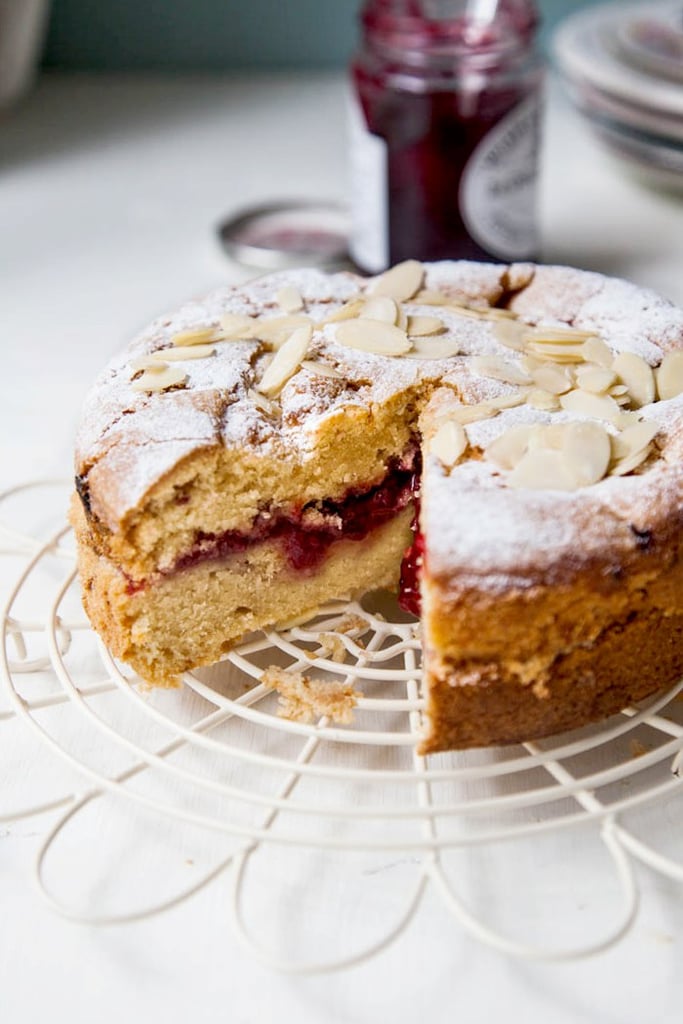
(298, 233)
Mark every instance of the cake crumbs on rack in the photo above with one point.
(302, 699)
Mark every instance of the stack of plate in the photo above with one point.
(623, 65)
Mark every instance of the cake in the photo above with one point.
(503, 442)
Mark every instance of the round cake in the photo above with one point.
(503, 443)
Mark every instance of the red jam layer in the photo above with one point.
(409, 597)
(306, 535)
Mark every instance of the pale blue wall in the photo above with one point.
(214, 34)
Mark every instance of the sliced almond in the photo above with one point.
(423, 326)
(631, 462)
(434, 348)
(425, 297)
(670, 376)
(500, 369)
(182, 352)
(499, 314)
(542, 470)
(556, 353)
(510, 333)
(559, 335)
(633, 439)
(286, 361)
(449, 443)
(596, 407)
(348, 311)
(510, 401)
(552, 378)
(160, 380)
(149, 360)
(289, 299)
(236, 325)
(638, 377)
(382, 308)
(400, 282)
(596, 379)
(373, 336)
(195, 336)
(468, 311)
(550, 436)
(473, 413)
(596, 351)
(586, 449)
(537, 398)
(263, 403)
(507, 449)
(277, 330)
(321, 369)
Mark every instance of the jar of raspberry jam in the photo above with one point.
(445, 131)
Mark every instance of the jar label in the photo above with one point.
(369, 192)
(498, 185)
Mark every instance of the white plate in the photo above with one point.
(586, 50)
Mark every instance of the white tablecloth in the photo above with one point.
(110, 192)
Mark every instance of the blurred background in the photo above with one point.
(215, 35)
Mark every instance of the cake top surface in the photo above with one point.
(265, 365)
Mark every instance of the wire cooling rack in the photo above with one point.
(216, 756)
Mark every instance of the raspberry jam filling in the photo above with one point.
(306, 535)
(409, 597)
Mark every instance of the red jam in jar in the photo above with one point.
(445, 132)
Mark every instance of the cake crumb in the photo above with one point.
(303, 699)
(353, 622)
(638, 748)
(332, 647)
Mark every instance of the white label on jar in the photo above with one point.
(498, 185)
(369, 193)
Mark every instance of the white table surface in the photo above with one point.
(110, 190)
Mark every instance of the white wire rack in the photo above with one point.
(216, 755)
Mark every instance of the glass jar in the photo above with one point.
(444, 131)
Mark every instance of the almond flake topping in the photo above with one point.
(500, 369)
(322, 369)
(638, 377)
(596, 351)
(434, 348)
(277, 330)
(552, 378)
(236, 326)
(596, 379)
(596, 407)
(670, 376)
(348, 311)
(195, 336)
(449, 443)
(510, 333)
(633, 440)
(182, 352)
(541, 470)
(400, 282)
(423, 326)
(160, 378)
(262, 403)
(382, 308)
(286, 361)
(509, 447)
(289, 299)
(373, 336)
(586, 450)
(473, 413)
(543, 400)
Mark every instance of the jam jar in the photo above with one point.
(444, 132)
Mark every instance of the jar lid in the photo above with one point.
(297, 233)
